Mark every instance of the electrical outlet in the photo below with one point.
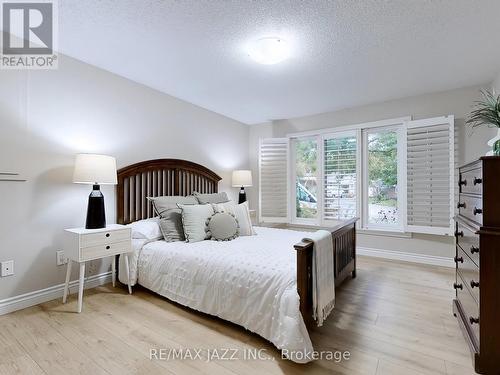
(60, 258)
(7, 268)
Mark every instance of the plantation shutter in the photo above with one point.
(273, 180)
(340, 177)
(430, 175)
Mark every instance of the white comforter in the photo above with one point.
(250, 281)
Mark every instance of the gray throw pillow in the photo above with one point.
(242, 214)
(165, 203)
(211, 198)
(171, 226)
(222, 226)
(170, 215)
(194, 219)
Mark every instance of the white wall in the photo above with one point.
(471, 145)
(46, 117)
(496, 84)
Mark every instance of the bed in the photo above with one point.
(258, 282)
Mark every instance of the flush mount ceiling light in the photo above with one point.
(269, 50)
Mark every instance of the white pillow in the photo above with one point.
(194, 220)
(147, 229)
(242, 214)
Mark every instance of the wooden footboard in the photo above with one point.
(344, 263)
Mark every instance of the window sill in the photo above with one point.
(382, 232)
(364, 231)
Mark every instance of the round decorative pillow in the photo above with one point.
(222, 226)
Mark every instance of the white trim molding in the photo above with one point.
(344, 128)
(406, 257)
(23, 301)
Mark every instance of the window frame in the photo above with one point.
(342, 134)
(361, 170)
(293, 185)
(400, 130)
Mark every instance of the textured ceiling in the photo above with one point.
(345, 53)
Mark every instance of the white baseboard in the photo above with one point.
(406, 257)
(40, 296)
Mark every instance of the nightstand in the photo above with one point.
(81, 245)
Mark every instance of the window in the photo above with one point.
(431, 180)
(396, 175)
(382, 159)
(306, 178)
(340, 176)
(273, 180)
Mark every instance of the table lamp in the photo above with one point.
(242, 178)
(95, 170)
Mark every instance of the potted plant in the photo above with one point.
(487, 113)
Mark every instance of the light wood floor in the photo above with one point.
(394, 318)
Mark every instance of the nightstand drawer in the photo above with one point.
(105, 250)
(104, 238)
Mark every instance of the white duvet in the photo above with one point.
(250, 281)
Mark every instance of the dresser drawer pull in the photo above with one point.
(478, 181)
(457, 259)
(107, 234)
(108, 247)
(462, 182)
(458, 286)
(474, 249)
(461, 205)
(473, 320)
(477, 211)
(459, 234)
(474, 284)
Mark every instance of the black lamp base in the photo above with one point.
(96, 216)
(242, 197)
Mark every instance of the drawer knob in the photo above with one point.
(108, 247)
(474, 249)
(473, 320)
(461, 205)
(474, 284)
(459, 234)
(462, 182)
(107, 234)
(478, 181)
(458, 286)
(457, 259)
(477, 211)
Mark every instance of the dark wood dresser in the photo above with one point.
(477, 285)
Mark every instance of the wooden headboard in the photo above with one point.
(160, 177)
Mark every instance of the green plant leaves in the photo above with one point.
(486, 112)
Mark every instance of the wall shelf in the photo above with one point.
(10, 177)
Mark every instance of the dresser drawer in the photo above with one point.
(469, 305)
(471, 181)
(105, 250)
(104, 238)
(469, 272)
(471, 207)
(468, 241)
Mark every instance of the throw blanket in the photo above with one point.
(323, 275)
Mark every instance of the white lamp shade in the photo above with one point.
(242, 178)
(95, 169)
